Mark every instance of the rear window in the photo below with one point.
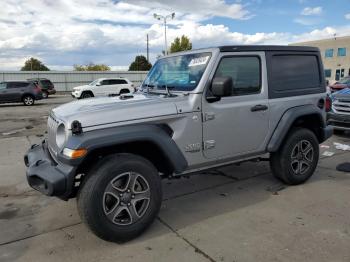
(292, 75)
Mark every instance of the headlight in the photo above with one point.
(61, 135)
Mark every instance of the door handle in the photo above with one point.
(259, 108)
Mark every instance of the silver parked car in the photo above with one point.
(196, 110)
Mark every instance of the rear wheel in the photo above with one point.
(45, 94)
(121, 197)
(124, 91)
(296, 160)
(28, 100)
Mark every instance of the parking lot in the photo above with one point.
(234, 213)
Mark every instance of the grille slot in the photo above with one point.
(341, 107)
(52, 125)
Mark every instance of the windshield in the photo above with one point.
(93, 83)
(179, 73)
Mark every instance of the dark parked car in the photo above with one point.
(341, 84)
(46, 86)
(20, 91)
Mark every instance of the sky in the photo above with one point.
(62, 33)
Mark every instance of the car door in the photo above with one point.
(105, 88)
(238, 124)
(15, 91)
(115, 87)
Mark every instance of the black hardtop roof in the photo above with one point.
(240, 48)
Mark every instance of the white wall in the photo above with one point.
(66, 80)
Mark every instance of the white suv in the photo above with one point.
(104, 87)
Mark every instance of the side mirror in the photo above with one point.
(222, 86)
(98, 84)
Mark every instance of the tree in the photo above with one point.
(33, 64)
(92, 67)
(180, 44)
(140, 64)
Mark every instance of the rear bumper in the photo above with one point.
(51, 91)
(47, 176)
(338, 121)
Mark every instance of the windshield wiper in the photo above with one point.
(167, 89)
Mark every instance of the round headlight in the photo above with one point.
(60, 135)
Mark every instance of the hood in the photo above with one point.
(343, 94)
(107, 110)
(80, 87)
(338, 86)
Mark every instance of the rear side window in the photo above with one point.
(46, 83)
(118, 81)
(292, 75)
(244, 71)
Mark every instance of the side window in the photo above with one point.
(17, 84)
(45, 83)
(292, 73)
(2, 86)
(118, 82)
(245, 72)
(105, 82)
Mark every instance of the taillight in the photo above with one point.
(328, 104)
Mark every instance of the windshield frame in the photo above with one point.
(212, 53)
(95, 82)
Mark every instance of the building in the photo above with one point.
(335, 53)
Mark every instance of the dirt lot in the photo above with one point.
(236, 213)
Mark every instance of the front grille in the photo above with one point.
(52, 125)
(341, 106)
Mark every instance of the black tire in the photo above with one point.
(86, 95)
(93, 198)
(124, 91)
(45, 94)
(28, 100)
(294, 166)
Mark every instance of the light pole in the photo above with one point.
(164, 18)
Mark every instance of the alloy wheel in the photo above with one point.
(126, 198)
(302, 157)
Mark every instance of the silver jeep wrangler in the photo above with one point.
(195, 110)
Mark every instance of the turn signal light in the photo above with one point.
(74, 153)
(328, 104)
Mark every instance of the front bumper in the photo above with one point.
(47, 176)
(338, 121)
(76, 94)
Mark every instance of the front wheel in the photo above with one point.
(296, 160)
(120, 197)
(28, 100)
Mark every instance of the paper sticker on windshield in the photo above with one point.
(199, 61)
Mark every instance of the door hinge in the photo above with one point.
(209, 116)
(209, 144)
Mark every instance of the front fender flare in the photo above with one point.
(115, 136)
